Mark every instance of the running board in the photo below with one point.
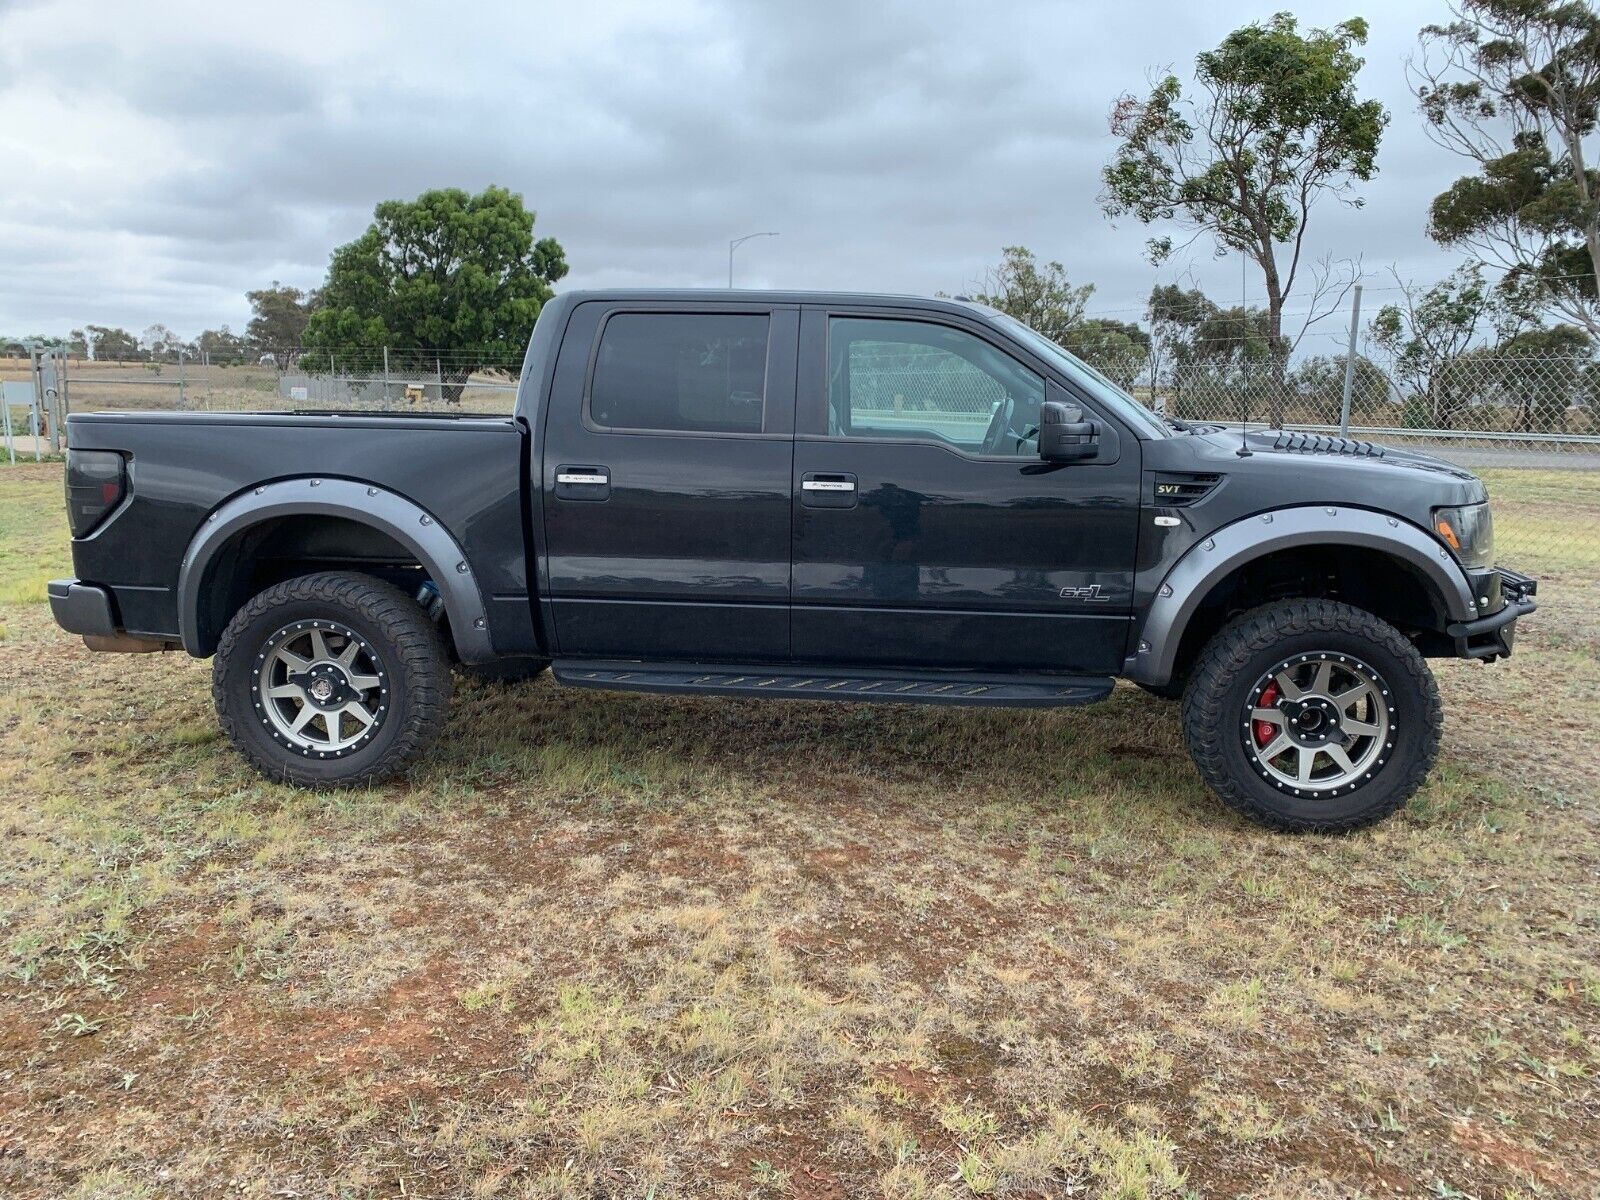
(834, 683)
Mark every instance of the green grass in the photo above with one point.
(609, 945)
(33, 532)
(1547, 519)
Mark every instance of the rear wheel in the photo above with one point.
(1312, 715)
(331, 680)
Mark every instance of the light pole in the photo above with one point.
(737, 242)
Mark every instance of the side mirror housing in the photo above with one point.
(1064, 436)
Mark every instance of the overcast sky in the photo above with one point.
(158, 159)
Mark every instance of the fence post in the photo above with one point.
(63, 404)
(33, 428)
(1350, 365)
(438, 374)
(180, 379)
(386, 377)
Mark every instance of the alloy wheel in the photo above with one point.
(1319, 724)
(320, 689)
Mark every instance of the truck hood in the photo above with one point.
(1285, 468)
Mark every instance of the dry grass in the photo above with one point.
(624, 946)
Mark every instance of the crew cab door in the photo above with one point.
(665, 467)
(927, 531)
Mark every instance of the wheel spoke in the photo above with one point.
(302, 719)
(1322, 681)
(347, 656)
(359, 711)
(286, 691)
(364, 683)
(1359, 728)
(1346, 698)
(1272, 716)
(1286, 684)
(293, 661)
(319, 646)
(1340, 758)
(1308, 759)
(1275, 747)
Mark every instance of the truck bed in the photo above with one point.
(463, 469)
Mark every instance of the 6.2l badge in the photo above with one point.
(1090, 593)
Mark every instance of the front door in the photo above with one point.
(927, 532)
(666, 461)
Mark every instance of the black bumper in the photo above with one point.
(1491, 637)
(83, 608)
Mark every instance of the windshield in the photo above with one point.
(1086, 377)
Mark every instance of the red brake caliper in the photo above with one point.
(1265, 731)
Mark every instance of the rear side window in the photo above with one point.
(681, 373)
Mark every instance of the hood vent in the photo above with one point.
(1179, 489)
(1316, 443)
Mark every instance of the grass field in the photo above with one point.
(607, 945)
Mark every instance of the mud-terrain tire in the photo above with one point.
(361, 641)
(505, 670)
(1271, 660)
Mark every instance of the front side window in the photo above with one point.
(681, 373)
(915, 379)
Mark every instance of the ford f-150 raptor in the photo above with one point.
(816, 496)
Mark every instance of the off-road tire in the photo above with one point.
(404, 641)
(1236, 658)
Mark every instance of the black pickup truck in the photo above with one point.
(814, 496)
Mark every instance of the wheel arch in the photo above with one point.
(385, 514)
(1220, 560)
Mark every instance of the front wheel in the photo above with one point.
(331, 680)
(1312, 715)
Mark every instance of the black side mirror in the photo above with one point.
(1064, 436)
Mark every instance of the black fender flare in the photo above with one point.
(1211, 559)
(401, 519)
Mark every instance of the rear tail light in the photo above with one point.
(96, 482)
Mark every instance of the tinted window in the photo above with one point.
(681, 372)
(913, 379)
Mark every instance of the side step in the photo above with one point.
(834, 683)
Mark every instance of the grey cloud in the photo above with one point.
(896, 146)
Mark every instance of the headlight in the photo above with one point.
(1468, 531)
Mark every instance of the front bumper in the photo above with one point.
(83, 608)
(1491, 637)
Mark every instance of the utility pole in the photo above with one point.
(737, 242)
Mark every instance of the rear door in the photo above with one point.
(666, 465)
(927, 530)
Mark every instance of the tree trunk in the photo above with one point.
(453, 383)
(1279, 380)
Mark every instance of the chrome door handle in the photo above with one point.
(576, 477)
(827, 485)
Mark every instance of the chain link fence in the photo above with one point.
(242, 386)
(1528, 425)
(1475, 410)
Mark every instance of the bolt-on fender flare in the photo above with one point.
(378, 508)
(1214, 557)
